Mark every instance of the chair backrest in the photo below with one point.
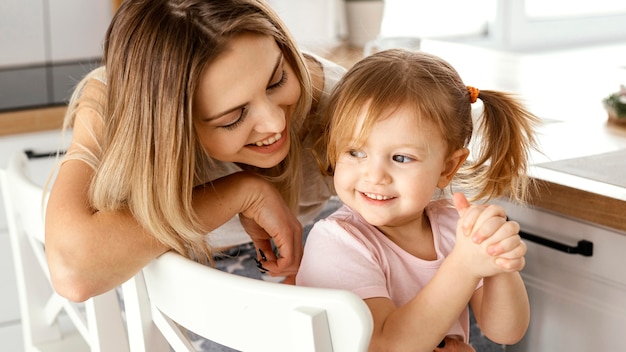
(50, 322)
(242, 313)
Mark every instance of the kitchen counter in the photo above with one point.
(31, 120)
(582, 174)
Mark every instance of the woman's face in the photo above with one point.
(244, 103)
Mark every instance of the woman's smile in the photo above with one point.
(268, 141)
(269, 145)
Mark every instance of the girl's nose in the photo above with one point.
(270, 118)
(375, 171)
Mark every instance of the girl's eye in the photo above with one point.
(282, 81)
(238, 121)
(357, 153)
(402, 158)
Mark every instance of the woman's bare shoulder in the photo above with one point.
(86, 109)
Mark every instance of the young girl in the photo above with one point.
(206, 109)
(399, 134)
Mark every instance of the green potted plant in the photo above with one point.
(615, 105)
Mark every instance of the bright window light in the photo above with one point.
(568, 8)
(427, 18)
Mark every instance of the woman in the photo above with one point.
(193, 91)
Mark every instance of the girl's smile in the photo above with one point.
(376, 197)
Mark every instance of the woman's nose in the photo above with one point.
(270, 118)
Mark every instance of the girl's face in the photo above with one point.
(393, 176)
(245, 101)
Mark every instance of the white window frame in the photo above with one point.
(512, 29)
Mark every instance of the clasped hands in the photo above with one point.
(486, 241)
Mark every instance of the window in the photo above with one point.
(442, 18)
(540, 24)
(509, 24)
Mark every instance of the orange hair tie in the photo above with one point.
(473, 93)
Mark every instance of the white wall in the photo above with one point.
(315, 24)
(41, 31)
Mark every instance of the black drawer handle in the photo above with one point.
(31, 154)
(584, 247)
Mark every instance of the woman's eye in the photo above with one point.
(357, 153)
(281, 81)
(402, 158)
(238, 121)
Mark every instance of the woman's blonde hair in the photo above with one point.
(149, 158)
(434, 91)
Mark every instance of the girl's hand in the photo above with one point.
(498, 238)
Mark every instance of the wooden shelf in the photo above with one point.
(32, 120)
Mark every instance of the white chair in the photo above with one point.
(50, 322)
(174, 293)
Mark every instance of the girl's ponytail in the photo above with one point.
(506, 132)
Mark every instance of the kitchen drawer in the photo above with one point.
(578, 303)
(609, 247)
(46, 141)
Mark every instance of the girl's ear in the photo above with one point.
(451, 166)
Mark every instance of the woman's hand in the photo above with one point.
(267, 219)
(265, 252)
(262, 213)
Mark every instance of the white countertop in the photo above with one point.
(565, 88)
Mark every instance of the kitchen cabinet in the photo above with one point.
(41, 142)
(578, 301)
(77, 28)
(47, 47)
(22, 32)
(35, 32)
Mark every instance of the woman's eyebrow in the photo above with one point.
(279, 61)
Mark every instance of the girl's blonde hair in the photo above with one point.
(433, 89)
(149, 157)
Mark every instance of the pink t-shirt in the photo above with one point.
(343, 251)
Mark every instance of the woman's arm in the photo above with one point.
(90, 252)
